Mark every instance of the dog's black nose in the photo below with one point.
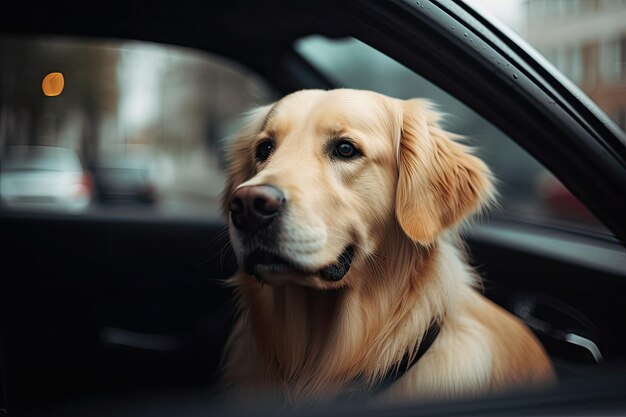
(254, 207)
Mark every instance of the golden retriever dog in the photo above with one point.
(344, 208)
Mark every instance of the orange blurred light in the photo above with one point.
(53, 84)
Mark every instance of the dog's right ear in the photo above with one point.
(240, 153)
(440, 182)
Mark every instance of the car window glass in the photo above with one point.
(135, 130)
(527, 191)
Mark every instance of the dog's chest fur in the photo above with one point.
(311, 345)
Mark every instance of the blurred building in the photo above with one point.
(586, 40)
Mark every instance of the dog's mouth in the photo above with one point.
(262, 264)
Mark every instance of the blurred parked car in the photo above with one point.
(44, 177)
(127, 177)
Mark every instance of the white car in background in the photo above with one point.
(44, 178)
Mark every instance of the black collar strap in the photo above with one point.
(397, 371)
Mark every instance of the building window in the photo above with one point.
(590, 59)
(610, 62)
(622, 60)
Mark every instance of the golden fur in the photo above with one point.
(305, 339)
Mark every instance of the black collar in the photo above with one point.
(396, 371)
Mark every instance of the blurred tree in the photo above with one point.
(91, 92)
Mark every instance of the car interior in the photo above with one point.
(128, 313)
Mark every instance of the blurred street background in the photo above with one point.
(144, 120)
(137, 130)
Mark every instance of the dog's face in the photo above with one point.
(317, 179)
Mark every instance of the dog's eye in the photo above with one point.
(264, 150)
(345, 149)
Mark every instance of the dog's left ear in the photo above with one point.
(440, 182)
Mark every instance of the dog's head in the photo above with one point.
(317, 179)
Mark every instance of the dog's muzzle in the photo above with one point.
(254, 211)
